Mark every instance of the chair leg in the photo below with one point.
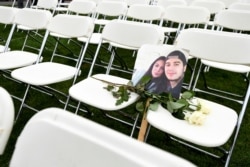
(22, 102)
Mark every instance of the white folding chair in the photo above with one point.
(240, 6)
(104, 13)
(54, 137)
(54, 71)
(216, 131)
(214, 6)
(167, 3)
(132, 2)
(46, 4)
(37, 19)
(82, 7)
(128, 35)
(7, 15)
(119, 33)
(7, 114)
(187, 16)
(226, 20)
(108, 10)
(145, 13)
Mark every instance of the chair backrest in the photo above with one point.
(55, 137)
(228, 2)
(27, 17)
(7, 113)
(7, 14)
(187, 14)
(167, 3)
(218, 46)
(145, 12)
(36, 19)
(111, 8)
(240, 6)
(214, 6)
(84, 7)
(132, 34)
(63, 24)
(233, 19)
(132, 2)
(47, 4)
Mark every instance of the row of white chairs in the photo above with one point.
(122, 39)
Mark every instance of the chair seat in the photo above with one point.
(169, 29)
(44, 73)
(101, 21)
(2, 49)
(95, 38)
(216, 130)
(16, 59)
(22, 27)
(101, 98)
(229, 67)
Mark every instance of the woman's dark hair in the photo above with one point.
(156, 85)
(149, 71)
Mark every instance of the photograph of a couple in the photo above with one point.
(166, 73)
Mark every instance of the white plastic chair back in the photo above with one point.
(29, 18)
(214, 6)
(132, 34)
(145, 12)
(228, 2)
(234, 47)
(132, 2)
(111, 8)
(7, 14)
(82, 7)
(233, 19)
(167, 3)
(187, 14)
(240, 6)
(47, 4)
(55, 137)
(83, 25)
(7, 113)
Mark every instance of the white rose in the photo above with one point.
(196, 118)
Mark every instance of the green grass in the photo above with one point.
(241, 154)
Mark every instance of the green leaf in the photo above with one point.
(187, 95)
(176, 105)
(154, 106)
(140, 106)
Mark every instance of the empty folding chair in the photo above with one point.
(132, 2)
(54, 137)
(82, 7)
(7, 114)
(187, 16)
(145, 13)
(104, 13)
(240, 6)
(46, 4)
(213, 6)
(7, 15)
(216, 131)
(122, 34)
(167, 3)
(37, 19)
(54, 71)
(235, 21)
(108, 10)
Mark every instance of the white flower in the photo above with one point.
(204, 108)
(196, 117)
